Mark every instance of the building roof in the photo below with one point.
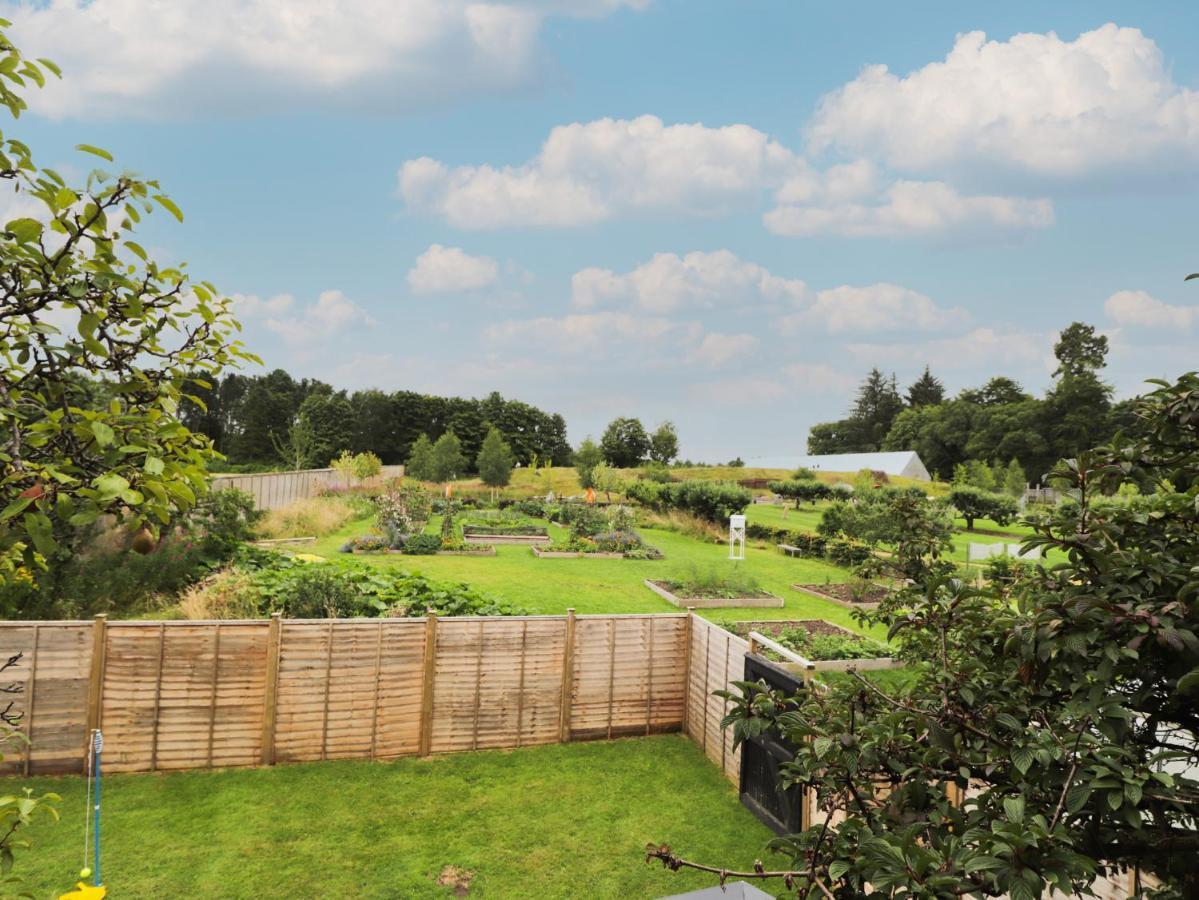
(906, 463)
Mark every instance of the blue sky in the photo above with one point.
(717, 213)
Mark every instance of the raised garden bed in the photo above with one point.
(842, 594)
(481, 551)
(783, 631)
(573, 554)
(666, 590)
(483, 537)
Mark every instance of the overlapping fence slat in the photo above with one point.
(717, 658)
(183, 695)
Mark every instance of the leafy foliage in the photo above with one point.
(1051, 731)
(447, 461)
(713, 501)
(420, 460)
(802, 490)
(973, 504)
(624, 443)
(664, 443)
(495, 460)
(99, 346)
(587, 457)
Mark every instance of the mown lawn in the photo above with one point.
(551, 586)
(560, 821)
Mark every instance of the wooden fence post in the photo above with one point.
(95, 688)
(426, 694)
(29, 705)
(270, 703)
(687, 668)
(568, 665)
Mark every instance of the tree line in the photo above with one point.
(997, 423)
(275, 419)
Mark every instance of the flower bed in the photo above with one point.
(684, 596)
(847, 594)
(831, 647)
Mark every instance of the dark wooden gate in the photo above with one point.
(762, 756)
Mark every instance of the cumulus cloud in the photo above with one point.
(177, 56)
(1035, 103)
(875, 307)
(251, 306)
(1140, 308)
(331, 314)
(982, 348)
(450, 269)
(910, 209)
(668, 282)
(590, 172)
(588, 332)
(718, 350)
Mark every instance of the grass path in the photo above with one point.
(560, 821)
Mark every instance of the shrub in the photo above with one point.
(311, 517)
(711, 500)
(319, 592)
(802, 490)
(370, 543)
(831, 646)
(657, 472)
(647, 493)
(530, 507)
(402, 512)
(422, 544)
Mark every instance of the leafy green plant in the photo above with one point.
(725, 582)
(422, 544)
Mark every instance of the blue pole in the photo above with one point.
(97, 747)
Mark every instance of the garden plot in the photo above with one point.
(829, 647)
(714, 588)
(856, 594)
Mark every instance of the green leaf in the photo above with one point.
(1189, 683)
(1014, 807)
(15, 507)
(169, 205)
(95, 151)
(1022, 759)
(837, 868)
(24, 230)
(103, 435)
(64, 197)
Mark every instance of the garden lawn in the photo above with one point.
(551, 586)
(559, 821)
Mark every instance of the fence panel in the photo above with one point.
(717, 659)
(272, 490)
(184, 695)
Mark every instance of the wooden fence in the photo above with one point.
(182, 695)
(272, 490)
(716, 658)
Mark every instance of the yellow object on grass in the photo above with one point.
(85, 892)
(309, 557)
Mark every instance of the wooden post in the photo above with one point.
(162, 640)
(270, 698)
(375, 694)
(649, 694)
(328, 684)
(95, 688)
(568, 664)
(474, 742)
(430, 675)
(611, 672)
(520, 690)
(687, 668)
(213, 687)
(32, 697)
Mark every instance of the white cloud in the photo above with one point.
(251, 306)
(980, 349)
(1143, 309)
(332, 313)
(145, 57)
(909, 209)
(586, 332)
(1034, 102)
(668, 282)
(447, 269)
(590, 172)
(718, 350)
(875, 307)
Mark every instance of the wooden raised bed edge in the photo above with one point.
(572, 554)
(771, 602)
(484, 538)
(848, 604)
(872, 664)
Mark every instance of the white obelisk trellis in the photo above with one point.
(736, 537)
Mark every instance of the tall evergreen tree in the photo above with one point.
(926, 390)
(495, 460)
(327, 418)
(420, 460)
(874, 411)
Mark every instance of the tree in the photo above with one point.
(1014, 479)
(607, 479)
(980, 475)
(1061, 706)
(624, 443)
(974, 503)
(138, 330)
(1080, 350)
(996, 392)
(587, 457)
(447, 461)
(420, 460)
(802, 490)
(877, 406)
(925, 391)
(664, 443)
(327, 418)
(495, 460)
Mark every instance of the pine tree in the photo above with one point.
(925, 390)
(877, 406)
(420, 459)
(495, 460)
(447, 459)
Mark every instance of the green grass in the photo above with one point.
(551, 586)
(561, 821)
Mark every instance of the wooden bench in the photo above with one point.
(790, 550)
